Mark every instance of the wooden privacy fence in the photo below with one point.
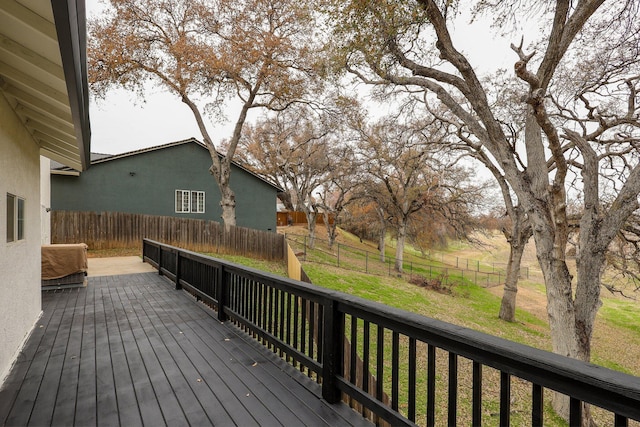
(291, 218)
(108, 230)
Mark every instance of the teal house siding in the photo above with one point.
(145, 182)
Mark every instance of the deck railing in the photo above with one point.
(307, 326)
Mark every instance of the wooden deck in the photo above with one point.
(131, 350)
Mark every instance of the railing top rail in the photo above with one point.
(611, 390)
(585, 381)
(306, 290)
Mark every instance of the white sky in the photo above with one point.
(122, 123)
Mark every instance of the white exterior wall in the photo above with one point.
(20, 290)
(45, 201)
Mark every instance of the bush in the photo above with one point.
(438, 284)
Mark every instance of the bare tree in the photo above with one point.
(206, 52)
(409, 176)
(267, 148)
(342, 187)
(294, 147)
(411, 45)
(304, 150)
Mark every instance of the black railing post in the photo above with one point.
(452, 409)
(476, 411)
(221, 293)
(332, 349)
(178, 285)
(505, 399)
(160, 260)
(537, 406)
(575, 412)
(620, 421)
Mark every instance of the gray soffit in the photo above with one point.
(43, 75)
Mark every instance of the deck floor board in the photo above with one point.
(131, 350)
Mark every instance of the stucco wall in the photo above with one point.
(45, 201)
(20, 293)
(145, 183)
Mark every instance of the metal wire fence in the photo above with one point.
(447, 269)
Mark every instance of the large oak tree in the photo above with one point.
(569, 141)
(210, 54)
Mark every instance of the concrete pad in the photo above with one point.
(117, 265)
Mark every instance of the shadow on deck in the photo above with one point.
(132, 350)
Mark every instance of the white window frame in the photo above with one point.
(189, 201)
(16, 212)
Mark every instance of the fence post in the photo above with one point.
(160, 260)
(221, 293)
(332, 349)
(178, 285)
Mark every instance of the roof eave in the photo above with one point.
(70, 23)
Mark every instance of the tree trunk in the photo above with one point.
(590, 264)
(331, 229)
(311, 225)
(402, 234)
(312, 231)
(508, 304)
(228, 204)
(572, 321)
(587, 303)
(517, 238)
(285, 198)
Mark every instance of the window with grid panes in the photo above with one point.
(189, 201)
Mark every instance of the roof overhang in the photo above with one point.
(43, 75)
(64, 172)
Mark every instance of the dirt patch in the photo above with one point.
(528, 299)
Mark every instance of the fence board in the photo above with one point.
(109, 230)
(298, 218)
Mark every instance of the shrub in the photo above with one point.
(438, 284)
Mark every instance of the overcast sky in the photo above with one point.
(122, 123)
